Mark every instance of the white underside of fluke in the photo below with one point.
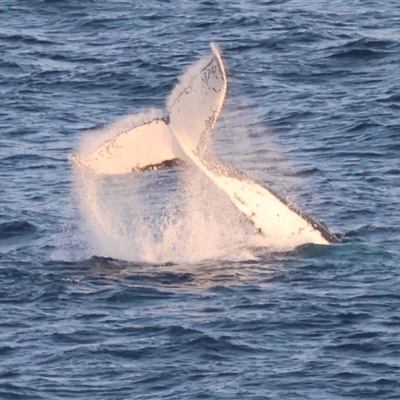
(192, 109)
(196, 101)
(132, 150)
(268, 214)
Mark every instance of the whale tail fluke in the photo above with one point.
(192, 109)
(182, 136)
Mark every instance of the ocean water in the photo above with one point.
(104, 297)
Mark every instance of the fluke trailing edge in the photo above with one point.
(182, 136)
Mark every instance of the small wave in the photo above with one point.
(358, 54)
(9, 64)
(16, 228)
(361, 126)
(362, 49)
(76, 337)
(127, 354)
(6, 351)
(394, 147)
(305, 172)
(28, 161)
(394, 171)
(365, 229)
(218, 348)
(360, 154)
(136, 294)
(393, 98)
(17, 38)
(310, 250)
(354, 348)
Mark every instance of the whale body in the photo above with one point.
(181, 138)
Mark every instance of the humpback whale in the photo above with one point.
(181, 137)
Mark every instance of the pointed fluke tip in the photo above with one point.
(216, 51)
(217, 54)
(73, 158)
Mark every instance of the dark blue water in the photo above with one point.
(313, 106)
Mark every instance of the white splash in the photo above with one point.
(177, 217)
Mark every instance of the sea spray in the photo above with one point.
(159, 216)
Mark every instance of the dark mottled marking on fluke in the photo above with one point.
(175, 162)
(205, 70)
